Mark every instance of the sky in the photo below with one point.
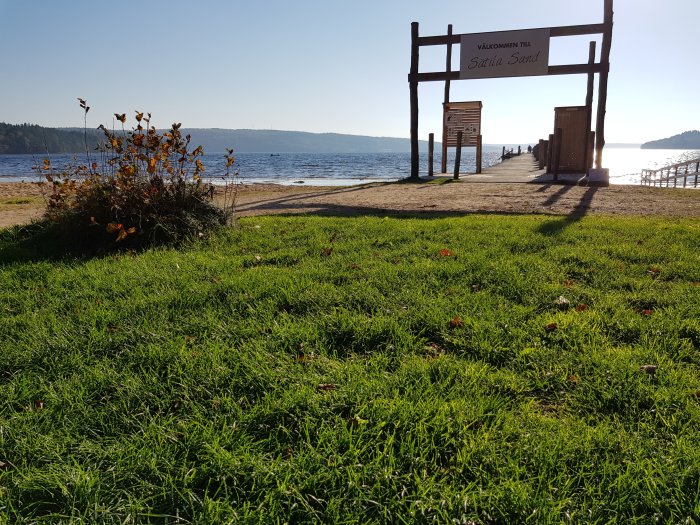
(328, 66)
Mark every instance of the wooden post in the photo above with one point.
(413, 87)
(589, 103)
(458, 155)
(478, 155)
(541, 153)
(603, 83)
(590, 142)
(431, 152)
(675, 177)
(503, 153)
(448, 69)
(697, 169)
(550, 153)
(557, 151)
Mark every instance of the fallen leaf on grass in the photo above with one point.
(551, 327)
(326, 387)
(39, 404)
(435, 350)
(456, 322)
(568, 283)
(562, 302)
(326, 251)
(646, 311)
(306, 358)
(355, 266)
(649, 369)
(573, 378)
(446, 253)
(582, 308)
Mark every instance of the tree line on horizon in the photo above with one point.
(35, 139)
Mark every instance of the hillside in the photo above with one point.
(29, 138)
(685, 140)
(276, 141)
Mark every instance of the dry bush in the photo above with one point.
(147, 189)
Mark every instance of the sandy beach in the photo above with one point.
(20, 203)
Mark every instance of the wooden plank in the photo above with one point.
(567, 69)
(586, 29)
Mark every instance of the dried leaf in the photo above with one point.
(39, 404)
(435, 350)
(326, 251)
(573, 378)
(646, 311)
(456, 322)
(446, 253)
(582, 308)
(649, 369)
(562, 302)
(326, 387)
(568, 283)
(551, 327)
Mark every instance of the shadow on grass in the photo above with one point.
(40, 241)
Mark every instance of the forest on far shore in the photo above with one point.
(30, 138)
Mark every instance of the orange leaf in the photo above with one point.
(456, 322)
(446, 253)
(122, 235)
(551, 327)
(113, 227)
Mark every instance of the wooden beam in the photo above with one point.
(587, 29)
(603, 84)
(589, 103)
(567, 69)
(446, 99)
(413, 87)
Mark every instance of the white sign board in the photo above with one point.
(504, 54)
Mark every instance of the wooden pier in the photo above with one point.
(521, 169)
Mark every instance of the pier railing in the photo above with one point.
(670, 175)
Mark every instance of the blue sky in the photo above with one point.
(327, 66)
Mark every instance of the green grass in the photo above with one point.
(12, 202)
(357, 370)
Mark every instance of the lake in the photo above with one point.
(331, 169)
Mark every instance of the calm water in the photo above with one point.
(331, 169)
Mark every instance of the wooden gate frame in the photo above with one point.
(602, 68)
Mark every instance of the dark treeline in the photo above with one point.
(30, 138)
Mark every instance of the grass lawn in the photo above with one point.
(482, 369)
